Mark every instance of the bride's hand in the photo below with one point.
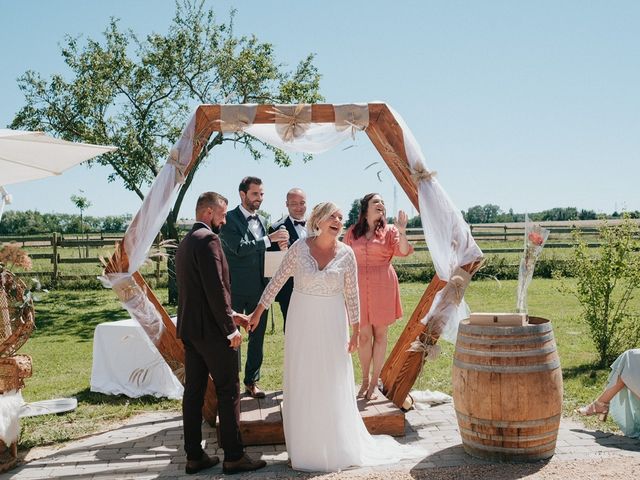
(353, 342)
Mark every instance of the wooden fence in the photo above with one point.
(63, 252)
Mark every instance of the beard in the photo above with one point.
(215, 228)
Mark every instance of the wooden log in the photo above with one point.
(402, 367)
(386, 135)
(397, 377)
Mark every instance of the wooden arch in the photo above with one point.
(403, 366)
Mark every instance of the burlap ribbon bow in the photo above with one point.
(419, 172)
(291, 121)
(174, 159)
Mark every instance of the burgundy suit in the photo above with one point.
(204, 323)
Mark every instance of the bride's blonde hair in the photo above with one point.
(320, 213)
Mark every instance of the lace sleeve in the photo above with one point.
(351, 294)
(286, 270)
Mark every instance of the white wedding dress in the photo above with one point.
(322, 425)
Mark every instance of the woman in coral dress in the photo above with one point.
(375, 244)
(323, 428)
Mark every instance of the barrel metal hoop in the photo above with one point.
(510, 438)
(541, 367)
(508, 424)
(493, 353)
(492, 448)
(506, 341)
(491, 330)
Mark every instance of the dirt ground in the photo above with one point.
(619, 467)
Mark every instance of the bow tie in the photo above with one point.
(299, 222)
(252, 217)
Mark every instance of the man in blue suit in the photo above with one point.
(295, 224)
(244, 241)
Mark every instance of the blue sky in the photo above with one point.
(527, 105)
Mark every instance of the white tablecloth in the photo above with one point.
(126, 362)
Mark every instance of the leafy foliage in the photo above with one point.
(31, 222)
(137, 93)
(606, 283)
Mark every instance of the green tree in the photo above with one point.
(136, 93)
(354, 212)
(81, 203)
(606, 282)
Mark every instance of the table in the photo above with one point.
(125, 361)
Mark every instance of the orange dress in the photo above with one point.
(377, 280)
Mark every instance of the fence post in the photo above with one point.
(505, 233)
(54, 260)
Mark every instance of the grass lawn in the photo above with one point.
(61, 349)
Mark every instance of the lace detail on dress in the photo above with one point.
(339, 276)
(285, 270)
(351, 296)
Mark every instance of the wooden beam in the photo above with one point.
(386, 135)
(402, 367)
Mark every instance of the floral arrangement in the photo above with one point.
(12, 256)
(535, 237)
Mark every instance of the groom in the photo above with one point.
(295, 224)
(207, 328)
(244, 240)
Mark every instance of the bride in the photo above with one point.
(322, 425)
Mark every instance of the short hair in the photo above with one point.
(320, 213)
(210, 199)
(246, 182)
(295, 191)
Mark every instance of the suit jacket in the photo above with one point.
(285, 292)
(245, 255)
(204, 293)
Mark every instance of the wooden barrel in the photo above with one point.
(507, 390)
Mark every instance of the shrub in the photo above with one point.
(607, 278)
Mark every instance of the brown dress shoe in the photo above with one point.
(195, 466)
(244, 464)
(254, 391)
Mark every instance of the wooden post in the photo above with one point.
(54, 259)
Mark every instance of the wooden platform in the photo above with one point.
(261, 420)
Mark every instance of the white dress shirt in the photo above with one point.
(255, 226)
(300, 230)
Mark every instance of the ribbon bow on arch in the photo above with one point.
(419, 172)
(174, 159)
(292, 121)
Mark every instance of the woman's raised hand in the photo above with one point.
(402, 220)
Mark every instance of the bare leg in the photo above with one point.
(600, 406)
(379, 352)
(365, 350)
(611, 392)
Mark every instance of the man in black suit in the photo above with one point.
(207, 327)
(244, 240)
(295, 224)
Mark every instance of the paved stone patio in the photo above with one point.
(150, 446)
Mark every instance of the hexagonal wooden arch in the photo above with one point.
(403, 366)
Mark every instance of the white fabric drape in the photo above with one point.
(143, 230)
(448, 236)
(5, 199)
